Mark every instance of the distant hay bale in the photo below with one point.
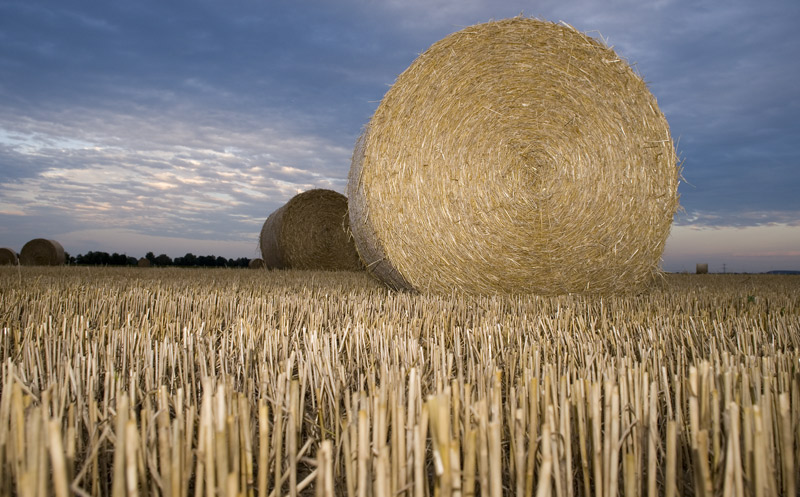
(8, 257)
(310, 231)
(702, 269)
(256, 263)
(42, 252)
(516, 156)
(143, 262)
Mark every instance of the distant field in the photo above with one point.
(124, 381)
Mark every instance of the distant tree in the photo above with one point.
(118, 259)
(150, 257)
(132, 261)
(241, 262)
(221, 262)
(93, 258)
(163, 260)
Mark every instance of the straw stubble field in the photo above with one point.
(232, 382)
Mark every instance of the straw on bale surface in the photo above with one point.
(702, 268)
(143, 262)
(42, 252)
(8, 257)
(256, 263)
(310, 231)
(515, 156)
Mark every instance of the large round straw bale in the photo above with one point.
(310, 231)
(143, 262)
(8, 257)
(516, 156)
(42, 252)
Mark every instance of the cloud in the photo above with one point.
(161, 174)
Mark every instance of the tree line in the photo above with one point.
(92, 258)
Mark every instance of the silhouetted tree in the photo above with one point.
(118, 259)
(163, 260)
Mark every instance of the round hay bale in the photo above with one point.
(42, 252)
(256, 263)
(143, 262)
(310, 231)
(702, 268)
(516, 156)
(8, 257)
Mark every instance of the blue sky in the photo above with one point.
(179, 126)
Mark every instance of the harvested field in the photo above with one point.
(117, 381)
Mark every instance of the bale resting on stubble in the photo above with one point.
(8, 257)
(516, 156)
(42, 252)
(143, 262)
(310, 231)
(256, 263)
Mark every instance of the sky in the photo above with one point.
(179, 126)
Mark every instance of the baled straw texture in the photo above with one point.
(143, 262)
(256, 263)
(8, 257)
(42, 252)
(515, 156)
(310, 231)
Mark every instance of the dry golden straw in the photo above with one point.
(8, 257)
(42, 252)
(217, 382)
(143, 262)
(310, 232)
(515, 156)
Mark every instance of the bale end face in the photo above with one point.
(516, 156)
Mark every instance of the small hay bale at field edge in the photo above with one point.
(143, 262)
(42, 252)
(516, 156)
(8, 257)
(256, 263)
(310, 231)
(701, 268)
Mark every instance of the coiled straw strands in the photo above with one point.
(516, 156)
(8, 257)
(42, 252)
(310, 231)
(256, 263)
